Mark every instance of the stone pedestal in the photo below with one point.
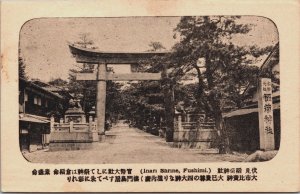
(194, 135)
(73, 133)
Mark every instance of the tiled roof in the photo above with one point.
(33, 118)
(43, 88)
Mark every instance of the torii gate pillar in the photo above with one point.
(101, 95)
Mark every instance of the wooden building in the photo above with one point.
(38, 101)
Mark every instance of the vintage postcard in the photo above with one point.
(150, 96)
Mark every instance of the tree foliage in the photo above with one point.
(22, 66)
(83, 90)
(156, 46)
(143, 103)
(58, 82)
(85, 40)
(223, 69)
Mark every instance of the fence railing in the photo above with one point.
(91, 126)
(197, 126)
(200, 125)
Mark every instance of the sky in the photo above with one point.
(44, 41)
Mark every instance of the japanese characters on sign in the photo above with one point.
(266, 126)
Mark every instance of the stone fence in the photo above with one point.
(62, 126)
(73, 135)
(198, 135)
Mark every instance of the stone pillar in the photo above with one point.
(265, 113)
(90, 124)
(101, 95)
(188, 118)
(83, 119)
(179, 122)
(168, 90)
(71, 126)
(52, 124)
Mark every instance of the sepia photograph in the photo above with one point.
(150, 96)
(155, 89)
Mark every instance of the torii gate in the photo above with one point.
(84, 55)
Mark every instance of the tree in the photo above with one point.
(157, 64)
(142, 105)
(114, 101)
(224, 70)
(156, 46)
(58, 82)
(84, 40)
(83, 90)
(143, 100)
(22, 66)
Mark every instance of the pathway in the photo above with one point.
(130, 145)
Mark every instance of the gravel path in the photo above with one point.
(129, 145)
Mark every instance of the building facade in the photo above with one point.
(38, 101)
